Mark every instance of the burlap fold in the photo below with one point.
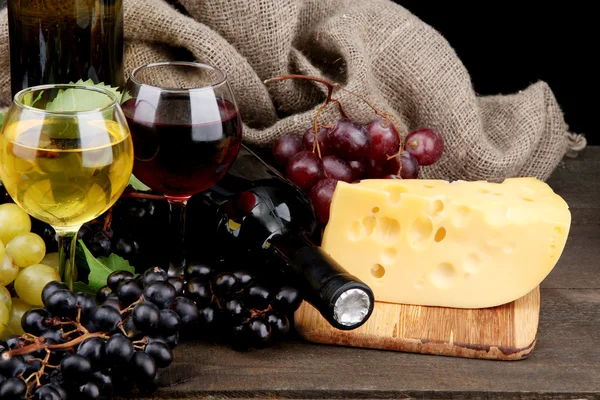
(375, 48)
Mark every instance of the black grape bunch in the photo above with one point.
(74, 348)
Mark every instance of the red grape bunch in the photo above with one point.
(348, 151)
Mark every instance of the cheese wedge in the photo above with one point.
(460, 244)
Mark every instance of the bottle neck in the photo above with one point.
(340, 297)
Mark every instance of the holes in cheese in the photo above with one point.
(429, 242)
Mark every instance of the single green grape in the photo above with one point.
(51, 259)
(8, 270)
(19, 307)
(4, 317)
(2, 250)
(13, 221)
(31, 281)
(27, 249)
(5, 297)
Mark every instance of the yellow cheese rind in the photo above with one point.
(460, 244)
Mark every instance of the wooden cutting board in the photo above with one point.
(507, 332)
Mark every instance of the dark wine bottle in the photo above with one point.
(260, 215)
(63, 41)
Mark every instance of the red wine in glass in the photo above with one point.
(186, 131)
(180, 160)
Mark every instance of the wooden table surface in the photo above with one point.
(564, 364)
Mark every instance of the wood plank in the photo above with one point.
(507, 332)
(565, 364)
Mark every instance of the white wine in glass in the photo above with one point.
(66, 156)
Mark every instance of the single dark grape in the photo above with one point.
(305, 169)
(198, 289)
(76, 368)
(89, 391)
(13, 366)
(13, 389)
(359, 169)
(287, 299)
(224, 284)
(93, 350)
(106, 319)
(13, 341)
(143, 367)
(154, 275)
(308, 141)
(349, 140)
(320, 196)
(160, 293)
(54, 334)
(285, 147)
(172, 340)
(259, 332)
(169, 322)
(62, 303)
(178, 284)
(132, 331)
(59, 388)
(104, 382)
(186, 309)
(129, 291)
(100, 244)
(426, 145)
(114, 303)
(36, 321)
(47, 392)
(116, 277)
(146, 316)
(103, 293)
(243, 277)
(197, 270)
(336, 168)
(87, 305)
(256, 296)
(52, 287)
(235, 311)
(209, 318)
(126, 247)
(3, 346)
(280, 325)
(409, 164)
(86, 232)
(161, 353)
(385, 140)
(376, 169)
(118, 350)
(239, 336)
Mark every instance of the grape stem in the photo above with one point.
(107, 222)
(61, 346)
(330, 87)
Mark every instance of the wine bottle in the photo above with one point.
(63, 41)
(260, 215)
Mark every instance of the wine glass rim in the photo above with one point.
(218, 82)
(112, 96)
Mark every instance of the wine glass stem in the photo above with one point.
(177, 223)
(67, 240)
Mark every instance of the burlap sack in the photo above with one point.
(372, 47)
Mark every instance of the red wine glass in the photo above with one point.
(186, 131)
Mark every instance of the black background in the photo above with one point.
(508, 45)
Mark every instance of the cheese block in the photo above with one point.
(460, 244)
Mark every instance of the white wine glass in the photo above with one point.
(66, 156)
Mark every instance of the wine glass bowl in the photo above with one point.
(185, 125)
(66, 156)
(186, 130)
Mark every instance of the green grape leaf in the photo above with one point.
(137, 184)
(78, 100)
(2, 115)
(82, 287)
(100, 267)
